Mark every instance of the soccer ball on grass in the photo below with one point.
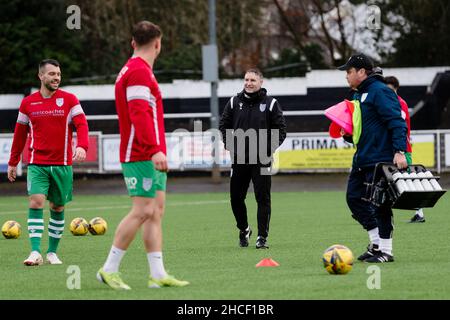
(98, 226)
(79, 227)
(338, 259)
(11, 229)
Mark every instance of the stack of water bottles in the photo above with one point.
(415, 181)
(412, 188)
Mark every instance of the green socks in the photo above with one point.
(55, 230)
(35, 228)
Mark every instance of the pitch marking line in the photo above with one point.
(175, 204)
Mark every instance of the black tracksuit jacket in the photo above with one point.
(258, 111)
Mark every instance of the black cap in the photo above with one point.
(358, 61)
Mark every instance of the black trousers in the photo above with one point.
(368, 215)
(241, 175)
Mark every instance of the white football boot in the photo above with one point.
(52, 258)
(34, 259)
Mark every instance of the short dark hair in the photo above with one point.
(392, 81)
(255, 71)
(145, 32)
(45, 62)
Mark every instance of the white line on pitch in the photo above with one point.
(174, 204)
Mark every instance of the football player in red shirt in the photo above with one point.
(394, 84)
(143, 159)
(47, 117)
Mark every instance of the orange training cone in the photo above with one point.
(267, 262)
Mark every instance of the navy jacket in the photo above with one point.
(383, 128)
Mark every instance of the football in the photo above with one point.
(98, 226)
(338, 259)
(11, 229)
(79, 227)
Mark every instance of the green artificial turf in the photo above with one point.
(201, 246)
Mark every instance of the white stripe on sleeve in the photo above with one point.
(66, 139)
(272, 104)
(130, 145)
(155, 123)
(152, 100)
(32, 142)
(403, 115)
(23, 118)
(138, 93)
(76, 110)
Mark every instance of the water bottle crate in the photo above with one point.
(412, 188)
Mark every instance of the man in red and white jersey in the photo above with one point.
(393, 83)
(143, 159)
(48, 117)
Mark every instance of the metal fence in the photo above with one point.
(300, 152)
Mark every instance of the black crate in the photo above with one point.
(383, 191)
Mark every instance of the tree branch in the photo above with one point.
(289, 25)
(329, 40)
(343, 46)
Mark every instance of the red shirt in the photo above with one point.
(405, 116)
(140, 110)
(49, 123)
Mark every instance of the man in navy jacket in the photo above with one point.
(382, 139)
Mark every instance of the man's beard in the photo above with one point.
(50, 88)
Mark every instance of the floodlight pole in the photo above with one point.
(214, 100)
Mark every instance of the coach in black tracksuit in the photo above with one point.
(252, 126)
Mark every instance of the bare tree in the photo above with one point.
(286, 17)
(315, 20)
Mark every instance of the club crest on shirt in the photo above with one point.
(59, 102)
(147, 184)
(262, 107)
(363, 97)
